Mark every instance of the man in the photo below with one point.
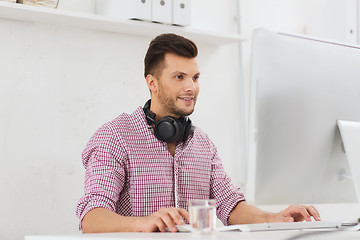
(142, 168)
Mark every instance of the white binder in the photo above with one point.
(125, 9)
(162, 11)
(181, 14)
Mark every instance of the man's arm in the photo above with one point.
(104, 220)
(245, 213)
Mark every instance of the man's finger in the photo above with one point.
(304, 213)
(169, 221)
(175, 214)
(160, 224)
(314, 213)
(180, 214)
(184, 214)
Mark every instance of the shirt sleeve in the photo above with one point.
(103, 159)
(226, 194)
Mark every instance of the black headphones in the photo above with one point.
(168, 129)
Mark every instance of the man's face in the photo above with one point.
(177, 87)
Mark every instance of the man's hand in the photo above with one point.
(101, 220)
(162, 219)
(296, 213)
(245, 213)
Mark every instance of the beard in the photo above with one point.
(170, 106)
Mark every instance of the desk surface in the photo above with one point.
(297, 234)
(329, 212)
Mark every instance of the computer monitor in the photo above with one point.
(301, 86)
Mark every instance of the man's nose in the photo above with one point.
(190, 85)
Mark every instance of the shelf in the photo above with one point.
(37, 14)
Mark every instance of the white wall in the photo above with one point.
(338, 20)
(59, 84)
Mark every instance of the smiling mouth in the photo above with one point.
(187, 98)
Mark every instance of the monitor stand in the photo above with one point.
(350, 135)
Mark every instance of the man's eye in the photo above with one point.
(195, 78)
(179, 77)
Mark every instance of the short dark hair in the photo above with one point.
(163, 44)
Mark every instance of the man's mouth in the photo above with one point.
(187, 98)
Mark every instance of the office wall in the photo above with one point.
(59, 84)
(338, 21)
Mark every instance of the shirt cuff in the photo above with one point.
(230, 205)
(91, 202)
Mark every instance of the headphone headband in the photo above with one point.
(150, 116)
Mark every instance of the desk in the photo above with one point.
(329, 212)
(278, 235)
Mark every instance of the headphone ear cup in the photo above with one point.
(168, 129)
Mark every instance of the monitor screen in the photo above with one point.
(300, 87)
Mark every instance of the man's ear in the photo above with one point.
(151, 82)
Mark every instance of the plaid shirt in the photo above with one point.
(130, 172)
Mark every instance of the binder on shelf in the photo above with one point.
(162, 11)
(125, 9)
(181, 14)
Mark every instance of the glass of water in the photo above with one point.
(202, 215)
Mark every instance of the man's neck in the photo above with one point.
(159, 111)
(171, 148)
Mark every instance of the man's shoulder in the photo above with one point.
(200, 135)
(126, 122)
(198, 132)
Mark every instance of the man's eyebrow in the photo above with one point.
(182, 73)
(178, 72)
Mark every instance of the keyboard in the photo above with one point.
(282, 226)
(272, 226)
